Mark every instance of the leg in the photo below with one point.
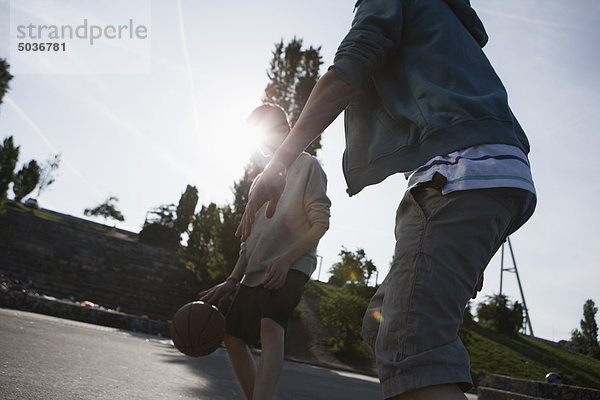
(271, 359)
(443, 245)
(242, 363)
(276, 307)
(243, 328)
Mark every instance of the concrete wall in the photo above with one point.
(69, 258)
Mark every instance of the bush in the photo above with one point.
(159, 235)
(499, 315)
(463, 331)
(159, 228)
(344, 311)
(297, 313)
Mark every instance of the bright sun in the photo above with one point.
(226, 144)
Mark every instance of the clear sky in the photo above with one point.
(144, 137)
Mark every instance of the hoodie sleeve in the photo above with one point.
(316, 203)
(374, 37)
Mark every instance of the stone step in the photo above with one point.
(541, 390)
(486, 393)
(74, 311)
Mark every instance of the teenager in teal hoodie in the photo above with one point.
(420, 97)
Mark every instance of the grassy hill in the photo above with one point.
(518, 356)
(527, 358)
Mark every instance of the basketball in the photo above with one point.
(197, 329)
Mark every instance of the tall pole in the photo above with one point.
(520, 287)
(501, 267)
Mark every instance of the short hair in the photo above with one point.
(271, 117)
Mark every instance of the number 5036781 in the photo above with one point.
(35, 46)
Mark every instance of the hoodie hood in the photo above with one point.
(462, 9)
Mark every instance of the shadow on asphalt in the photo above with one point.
(298, 381)
(215, 379)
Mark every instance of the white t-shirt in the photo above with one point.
(302, 204)
(478, 167)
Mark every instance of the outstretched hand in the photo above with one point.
(218, 293)
(268, 189)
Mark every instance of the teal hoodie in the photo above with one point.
(423, 88)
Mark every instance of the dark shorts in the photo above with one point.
(251, 304)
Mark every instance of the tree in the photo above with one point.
(229, 244)
(293, 72)
(48, 172)
(159, 228)
(586, 340)
(234, 213)
(212, 248)
(204, 247)
(242, 187)
(355, 269)
(165, 224)
(5, 77)
(500, 315)
(106, 210)
(185, 208)
(165, 215)
(589, 328)
(26, 180)
(9, 154)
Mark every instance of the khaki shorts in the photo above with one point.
(443, 244)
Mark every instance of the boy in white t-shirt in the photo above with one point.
(275, 262)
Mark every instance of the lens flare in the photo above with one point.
(378, 317)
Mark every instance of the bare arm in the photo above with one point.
(240, 267)
(219, 293)
(276, 272)
(327, 100)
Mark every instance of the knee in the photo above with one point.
(231, 342)
(270, 329)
